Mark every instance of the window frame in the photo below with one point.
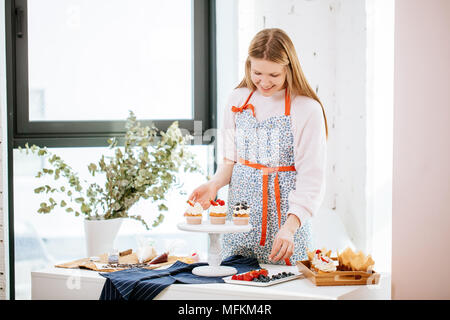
(95, 133)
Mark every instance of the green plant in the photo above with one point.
(145, 167)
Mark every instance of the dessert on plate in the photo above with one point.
(195, 257)
(194, 213)
(321, 261)
(241, 213)
(217, 212)
(347, 260)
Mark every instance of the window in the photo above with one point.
(80, 66)
(74, 70)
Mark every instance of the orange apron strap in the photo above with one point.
(250, 95)
(278, 199)
(262, 241)
(287, 103)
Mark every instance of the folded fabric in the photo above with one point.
(144, 284)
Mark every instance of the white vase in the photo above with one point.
(100, 235)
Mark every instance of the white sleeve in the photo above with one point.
(310, 153)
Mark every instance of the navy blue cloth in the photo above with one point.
(144, 284)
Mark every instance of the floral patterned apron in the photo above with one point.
(263, 176)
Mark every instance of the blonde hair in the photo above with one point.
(275, 45)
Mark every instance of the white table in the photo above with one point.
(78, 284)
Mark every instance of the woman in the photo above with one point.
(275, 133)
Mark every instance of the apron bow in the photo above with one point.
(240, 109)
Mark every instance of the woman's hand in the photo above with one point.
(204, 193)
(283, 245)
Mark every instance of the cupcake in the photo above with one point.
(241, 213)
(322, 263)
(217, 212)
(193, 213)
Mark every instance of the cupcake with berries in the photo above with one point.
(241, 213)
(194, 213)
(217, 212)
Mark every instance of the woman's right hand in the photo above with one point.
(204, 193)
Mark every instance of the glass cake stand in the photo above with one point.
(214, 269)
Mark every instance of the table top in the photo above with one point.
(300, 288)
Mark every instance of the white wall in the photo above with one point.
(379, 98)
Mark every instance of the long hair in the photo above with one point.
(275, 45)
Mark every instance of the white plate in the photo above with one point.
(206, 226)
(264, 284)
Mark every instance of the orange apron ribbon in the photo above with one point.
(265, 172)
(247, 106)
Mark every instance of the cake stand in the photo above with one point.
(214, 269)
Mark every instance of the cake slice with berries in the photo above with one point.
(217, 212)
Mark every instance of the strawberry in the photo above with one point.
(248, 277)
(234, 277)
(213, 202)
(254, 273)
(240, 277)
(264, 272)
(221, 202)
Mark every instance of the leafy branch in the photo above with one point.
(146, 167)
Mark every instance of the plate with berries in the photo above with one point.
(261, 278)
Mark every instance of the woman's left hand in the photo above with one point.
(283, 245)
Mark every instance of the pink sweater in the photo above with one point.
(310, 149)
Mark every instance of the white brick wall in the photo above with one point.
(330, 40)
(335, 43)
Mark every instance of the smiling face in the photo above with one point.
(268, 77)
